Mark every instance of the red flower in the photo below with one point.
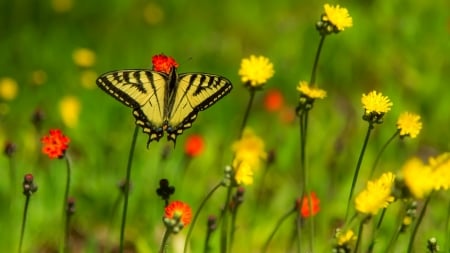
(163, 63)
(304, 210)
(194, 145)
(178, 209)
(55, 144)
(273, 101)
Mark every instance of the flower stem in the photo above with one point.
(416, 226)
(360, 231)
(197, 213)
(224, 223)
(24, 220)
(247, 112)
(358, 166)
(377, 228)
(277, 226)
(127, 189)
(66, 198)
(381, 152)
(316, 60)
(162, 249)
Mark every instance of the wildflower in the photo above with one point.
(305, 208)
(249, 152)
(376, 195)
(273, 101)
(310, 92)
(55, 144)
(418, 177)
(163, 63)
(28, 185)
(255, 71)
(194, 145)
(70, 108)
(334, 20)
(345, 238)
(177, 215)
(84, 57)
(409, 124)
(441, 171)
(375, 106)
(8, 88)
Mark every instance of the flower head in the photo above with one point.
(310, 92)
(255, 71)
(417, 177)
(409, 124)
(55, 144)
(8, 88)
(177, 215)
(194, 145)
(375, 106)
(28, 185)
(305, 208)
(441, 170)
(163, 63)
(84, 57)
(249, 152)
(334, 20)
(273, 101)
(70, 108)
(345, 240)
(376, 195)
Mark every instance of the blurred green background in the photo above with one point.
(400, 48)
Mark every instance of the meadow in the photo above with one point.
(53, 51)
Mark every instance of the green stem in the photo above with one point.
(247, 112)
(163, 247)
(377, 159)
(233, 226)
(401, 213)
(316, 60)
(360, 231)
(127, 189)
(67, 232)
(24, 220)
(358, 166)
(416, 226)
(224, 223)
(375, 232)
(277, 226)
(66, 198)
(197, 213)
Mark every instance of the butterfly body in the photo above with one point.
(164, 102)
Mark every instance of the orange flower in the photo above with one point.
(55, 144)
(194, 145)
(304, 210)
(273, 101)
(178, 210)
(163, 63)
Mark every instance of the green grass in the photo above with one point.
(400, 49)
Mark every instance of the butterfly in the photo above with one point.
(164, 102)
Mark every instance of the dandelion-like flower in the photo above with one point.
(55, 144)
(417, 177)
(409, 124)
(84, 57)
(256, 70)
(441, 170)
(8, 88)
(305, 208)
(177, 215)
(376, 195)
(345, 238)
(249, 153)
(194, 145)
(163, 63)
(310, 92)
(375, 106)
(334, 20)
(69, 108)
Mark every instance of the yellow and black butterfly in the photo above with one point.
(164, 102)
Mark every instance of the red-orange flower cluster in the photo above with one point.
(273, 101)
(55, 144)
(194, 145)
(179, 209)
(163, 63)
(305, 210)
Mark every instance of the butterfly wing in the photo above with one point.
(142, 90)
(195, 92)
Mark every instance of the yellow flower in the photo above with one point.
(418, 177)
(311, 92)
(346, 238)
(255, 71)
(337, 16)
(84, 57)
(70, 108)
(409, 124)
(248, 154)
(8, 88)
(441, 171)
(376, 195)
(376, 103)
